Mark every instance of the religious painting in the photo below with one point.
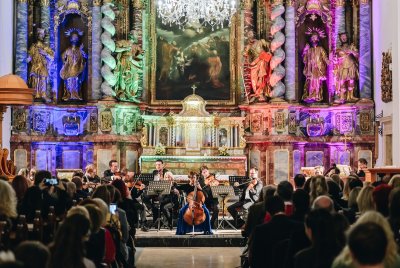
(193, 57)
(314, 158)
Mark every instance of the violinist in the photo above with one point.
(160, 171)
(112, 173)
(190, 188)
(251, 193)
(206, 181)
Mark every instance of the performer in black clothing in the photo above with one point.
(160, 171)
(112, 173)
(206, 181)
(362, 165)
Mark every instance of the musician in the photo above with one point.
(160, 171)
(90, 175)
(206, 181)
(112, 173)
(362, 166)
(183, 227)
(249, 196)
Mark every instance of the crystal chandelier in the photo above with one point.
(196, 12)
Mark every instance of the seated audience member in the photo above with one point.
(394, 213)
(301, 205)
(20, 185)
(33, 254)
(395, 181)
(8, 204)
(268, 243)
(95, 246)
(41, 196)
(380, 195)
(318, 187)
(367, 244)
(336, 178)
(299, 181)
(324, 244)
(67, 249)
(323, 202)
(285, 191)
(335, 193)
(352, 208)
(391, 259)
(365, 200)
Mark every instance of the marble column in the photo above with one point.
(290, 50)
(21, 51)
(365, 50)
(96, 50)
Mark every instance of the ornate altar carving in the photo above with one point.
(386, 77)
(365, 121)
(19, 120)
(41, 121)
(280, 122)
(292, 124)
(93, 124)
(315, 126)
(106, 121)
(71, 124)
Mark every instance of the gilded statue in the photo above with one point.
(346, 70)
(74, 65)
(40, 58)
(315, 61)
(128, 69)
(259, 57)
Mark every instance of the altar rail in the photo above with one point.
(230, 165)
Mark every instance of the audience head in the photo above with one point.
(323, 202)
(71, 189)
(299, 181)
(318, 187)
(113, 164)
(333, 189)
(78, 182)
(33, 254)
(111, 190)
(78, 173)
(8, 200)
(367, 244)
(20, 185)
(103, 209)
(285, 190)
(381, 198)
(386, 179)
(121, 187)
(102, 193)
(274, 205)
(41, 175)
(266, 192)
(365, 200)
(395, 181)
(24, 172)
(336, 178)
(355, 182)
(394, 204)
(352, 202)
(301, 201)
(96, 217)
(81, 210)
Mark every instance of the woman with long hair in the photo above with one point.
(20, 185)
(318, 186)
(68, 249)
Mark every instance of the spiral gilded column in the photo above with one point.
(21, 51)
(248, 27)
(290, 50)
(96, 50)
(138, 29)
(108, 60)
(278, 71)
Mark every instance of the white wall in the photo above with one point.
(6, 57)
(386, 27)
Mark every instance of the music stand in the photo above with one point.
(159, 188)
(240, 180)
(223, 192)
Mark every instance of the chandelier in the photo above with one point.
(197, 13)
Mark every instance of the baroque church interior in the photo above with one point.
(143, 133)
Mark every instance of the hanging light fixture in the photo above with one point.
(196, 12)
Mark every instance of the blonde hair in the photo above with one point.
(24, 172)
(168, 175)
(318, 186)
(103, 209)
(345, 259)
(365, 200)
(352, 201)
(395, 181)
(81, 210)
(8, 200)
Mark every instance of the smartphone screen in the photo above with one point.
(113, 208)
(52, 181)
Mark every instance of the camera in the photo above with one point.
(50, 182)
(113, 208)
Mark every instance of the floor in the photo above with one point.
(171, 233)
(204, 257)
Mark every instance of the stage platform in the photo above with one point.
(167, 238)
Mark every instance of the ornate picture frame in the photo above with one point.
(174, 93)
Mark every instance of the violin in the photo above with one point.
(194, 214)
(134, 183)
(211, 180)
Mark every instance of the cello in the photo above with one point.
(195, 215)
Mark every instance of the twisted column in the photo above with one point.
(290, 50)
(248, 27)
(21, 51)
(138, 28)
(278, 71)
(109, 47)
(365, 50)
(96, 50)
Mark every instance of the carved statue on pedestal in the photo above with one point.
(40, 58)
(346, 70)
(74, 64)
(257, 53)
(315, 66)
(128, 70)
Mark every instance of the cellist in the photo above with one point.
(183, 227)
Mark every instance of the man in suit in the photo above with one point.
(160, 171)
(269, 242)
(110, 174)
(249, 196)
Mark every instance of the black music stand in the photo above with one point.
(159, 188)
(240, 180)
(223, 192)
